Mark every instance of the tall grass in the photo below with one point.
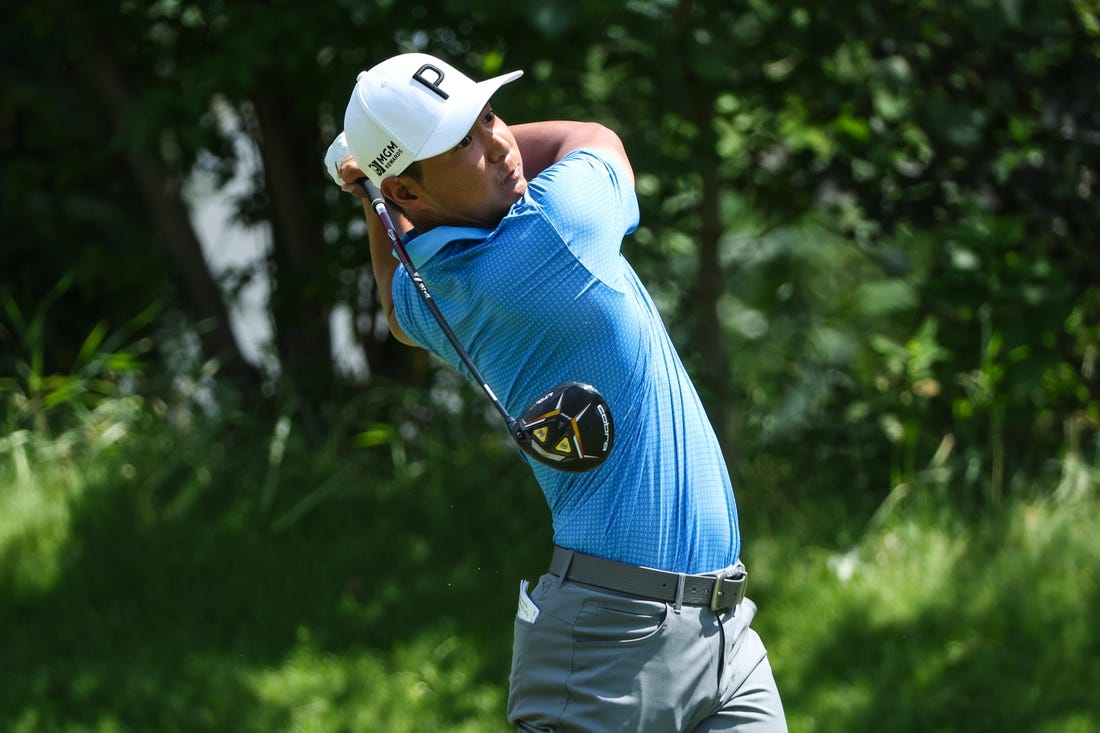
(160, 575)
(220, 573)
(929, 623)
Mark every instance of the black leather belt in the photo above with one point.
(718, 591)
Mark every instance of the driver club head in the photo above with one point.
(568, 428)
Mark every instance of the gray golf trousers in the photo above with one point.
(594, 662)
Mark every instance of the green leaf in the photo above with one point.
(91, 345)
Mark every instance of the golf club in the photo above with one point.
(568, 428)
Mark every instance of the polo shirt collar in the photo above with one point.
(422, 247)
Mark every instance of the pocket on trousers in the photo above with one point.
(611, 622)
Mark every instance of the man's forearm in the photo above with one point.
(383, 266)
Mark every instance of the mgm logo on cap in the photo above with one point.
(411, 107)
(386, 159)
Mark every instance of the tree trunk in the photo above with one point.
(711, 338)
(299, 302)
(160, 192)
(709, 284)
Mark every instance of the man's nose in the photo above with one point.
(498, 146)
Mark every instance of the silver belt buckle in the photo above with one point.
(717, 600)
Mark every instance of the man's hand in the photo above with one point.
(345, 171)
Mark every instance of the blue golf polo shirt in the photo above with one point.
(547, 297)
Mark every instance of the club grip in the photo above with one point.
(373, 191)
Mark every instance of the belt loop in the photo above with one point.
(565, 568)
(680, 580)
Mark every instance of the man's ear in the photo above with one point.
(401, 191)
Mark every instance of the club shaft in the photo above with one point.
(378, 203)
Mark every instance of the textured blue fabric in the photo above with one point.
(547, 297)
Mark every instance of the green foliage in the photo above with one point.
(35, 392)
(67, 203)
(950, 143)
(901, 358)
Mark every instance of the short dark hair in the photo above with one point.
(415, 171)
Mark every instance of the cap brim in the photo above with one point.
(461, 117)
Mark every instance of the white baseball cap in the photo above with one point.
(411, 107)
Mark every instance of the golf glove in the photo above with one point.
(337, 153)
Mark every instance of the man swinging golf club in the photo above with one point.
(509, 267)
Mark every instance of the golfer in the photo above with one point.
(640, 622)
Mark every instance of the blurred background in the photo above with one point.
(230, 502)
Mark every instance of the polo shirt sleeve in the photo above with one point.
(588, 199)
